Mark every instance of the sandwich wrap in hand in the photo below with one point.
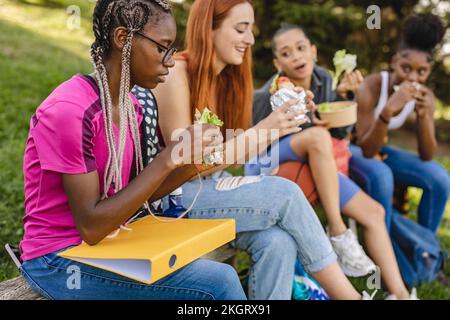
(207, 117)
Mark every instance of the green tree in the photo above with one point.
(331, 24)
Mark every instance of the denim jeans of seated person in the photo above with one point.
(58, 278)
(275, 224)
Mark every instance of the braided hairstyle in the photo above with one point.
(108, 15)
(422, 32)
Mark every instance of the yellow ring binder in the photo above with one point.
(155, 249)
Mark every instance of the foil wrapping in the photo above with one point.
(283, 95)
(213, 158)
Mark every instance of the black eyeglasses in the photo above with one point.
(169, 51)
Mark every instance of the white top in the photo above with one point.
(397, 121)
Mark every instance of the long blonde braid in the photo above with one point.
(134, 15)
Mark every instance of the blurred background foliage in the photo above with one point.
(332, 25)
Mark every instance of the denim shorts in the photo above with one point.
(265, 165)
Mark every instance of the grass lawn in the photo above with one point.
(37, 53)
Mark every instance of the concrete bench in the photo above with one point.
(18, 289)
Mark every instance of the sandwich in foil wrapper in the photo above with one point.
(283, 95)
(213, 158)
(208, 117)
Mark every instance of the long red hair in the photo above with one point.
(234, 84)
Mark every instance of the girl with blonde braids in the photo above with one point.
(83, 144)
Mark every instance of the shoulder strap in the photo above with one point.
(383, 93)
(151, 139)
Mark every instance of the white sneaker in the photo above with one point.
(351, 256)
(412, 296)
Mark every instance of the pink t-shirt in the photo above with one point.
(66, 136)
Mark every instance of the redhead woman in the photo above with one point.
(274, 221)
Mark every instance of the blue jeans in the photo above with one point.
(200, 280)
(264, 164)
(402, 168)
(275, 225)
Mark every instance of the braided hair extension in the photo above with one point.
(108, 15)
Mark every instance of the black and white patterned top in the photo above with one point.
(152, 141)
(151, 134)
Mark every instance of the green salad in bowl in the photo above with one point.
(330, 106)
(338, 114)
